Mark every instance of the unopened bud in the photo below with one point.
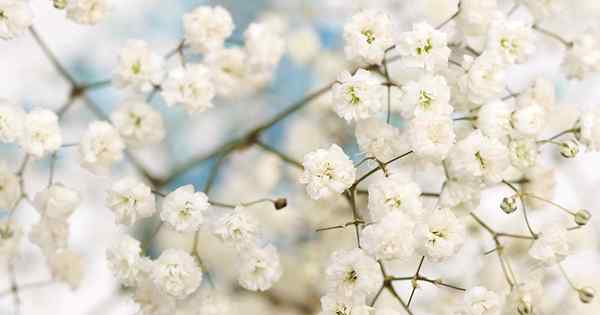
(586, 295)
(509, 204)
(524, 308)
(280, 203)
(60, 4)
(582, 217)
(569, 149)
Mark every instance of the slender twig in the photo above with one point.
(563, 41)
(284, 157)
(524, 207)
(371, 172)
(560, 134)
(450, 18)
(52, 57)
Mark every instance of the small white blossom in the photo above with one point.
(327, 171)
(552, 245)
(541, 92)
(41, 135)
(57, 202)
(12, 118)
(50, 234)
(431, 136)
(439, 235)
(367, 36)
(494, 119)
(529, 121)
(139, 68)
(236, 227)
(476, 15)
(396, 193)
(100, 147)
(378, 139)
(15, 17)
(130, 200)
(304, 45)
(461, 195)
(151, 299)
(424, 47)
(87, 11)
(512, 39)
(190, 87)
(10, 187)
(66, 266)
(541, 9)
(183, 209)
(583, 57)
(429, 94)
(228, 71)
(480, 301)
(124, 260)
(485, 80)
(10, 238)
(259, 268)
(540, 182)
(352, 273)
(523, 153)
(479, 156)
(206, 28)
(388, 238)
(176, 273)
(526, 297)
(262, 58)
(332, 304)
(357, 96)
(138, 123)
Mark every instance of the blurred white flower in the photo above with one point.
(50, 234)
(10, 238)
(87, 11)
(523, 153)
(130, 200)
(552, 245)
(367, 36)
(494, 119)
(378, 139)
(206, 28)
(190, 87)
(485, 80)
(124, 260)
(100, 147)
(480, 301)
(66, 266)
(332, 304)
(183, 209)
(236, 227)
(476, 15)
(304, 45)
(12, 118)
(176, 273)
(228, 71)
(42, 134)
(512, 39)
(327, 171)
(583, 57)
(590, 129)
(259, 268)
(10, 187)
(138, 123)
(139, 68)
(57, 202)
(15, 17)
(529, 121)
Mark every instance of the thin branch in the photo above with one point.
(284, 157)
(524, 207)
(50, 55)
(557, 37)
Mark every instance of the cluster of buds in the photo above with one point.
(569, 149)
(509, 204)
(60, 4)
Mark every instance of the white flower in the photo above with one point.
(206, 28)
(367, 36)
(388, 238)
(494, 119)
(210, 302)
(552, 245)
(124, 260)
(50, 234)
(480, 301)
(138, 123)
(152, 300)
(546, 8)
(303, 45)
(263, 58)
(190, 87)
(479, 156)
(583, 57)
(439, 235)
(512, 39)
(327, 171)
(424, 47)
(15, 17)
(523, 153)
(176, 273)
(259, 268)
(530, 120)
(228, 71)
(139, 68)
(10, 188)
(41, 134)
(184, 209)
(590, 129)
(541, 92)
(429, 94)
(352, 273)
(236, 227)
(357, 96)
(332, 304)
(100, 147)
(10, 238)
(378, 139)
(57, 202)
(396, 193)
(476, 15)
(525, 297)
(485, 80)
(87, 11)
(67, 266)
(461, 195)
(540, 182)
(12, 119)
(130, 200)
(431, 136)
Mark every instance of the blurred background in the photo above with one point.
(314, 58)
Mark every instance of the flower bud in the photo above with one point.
(509, 204)
(569, 149)
(280, 203)
(582, 217)
(586, 295)
(60, 4)
(524, 308)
